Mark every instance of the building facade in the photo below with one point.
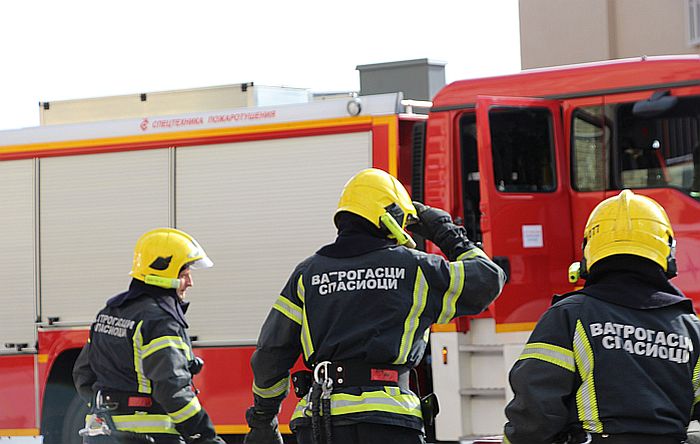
(559, 32)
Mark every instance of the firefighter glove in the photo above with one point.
(436, 225)
(195, 365)
(264, 428)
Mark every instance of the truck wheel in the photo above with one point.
(74, 421)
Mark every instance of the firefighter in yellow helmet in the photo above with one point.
(615, 362)
(136, 369)
(358, 311)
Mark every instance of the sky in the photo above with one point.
(73, 49)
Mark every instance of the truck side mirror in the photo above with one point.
(659, 103)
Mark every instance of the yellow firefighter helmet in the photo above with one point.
(629, 224)
(161, 254)
(381, 199)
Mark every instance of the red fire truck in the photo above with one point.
(520, 160)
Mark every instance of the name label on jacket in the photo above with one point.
(113, 326)
(380, 278)
(643, 341)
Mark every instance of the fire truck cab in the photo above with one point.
(523, 159)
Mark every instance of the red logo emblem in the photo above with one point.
(144, 124)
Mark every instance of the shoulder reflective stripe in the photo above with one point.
(375, 401)
(586, 399)
(449, 300)
(471, 254)
(143, 382)
(550, 353)
(192, 408)
(306, 343)
(289, 309)
(165, 342)
(145, 423)
(278, 389)
(420, 295)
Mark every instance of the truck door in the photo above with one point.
(525, 215)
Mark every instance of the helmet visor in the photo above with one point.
(199, 264)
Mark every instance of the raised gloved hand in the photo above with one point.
(430, 220)
(264, 428)
(436, 225)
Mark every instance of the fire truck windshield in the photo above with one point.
(614, 147)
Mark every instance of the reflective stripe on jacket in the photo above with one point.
(139, 347)
(606, 368)
(375, 307)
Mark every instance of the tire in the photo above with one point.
(74, 421)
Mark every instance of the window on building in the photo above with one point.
(523, 150)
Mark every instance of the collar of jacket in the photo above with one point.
(166, 298)
(356, 236)
(632, 282)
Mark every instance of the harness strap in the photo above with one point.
(127, 403)
(358, 373)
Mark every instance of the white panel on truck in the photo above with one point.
(258, 208)
(17, 239)
(93, 208)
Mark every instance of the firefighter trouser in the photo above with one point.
(365, 433)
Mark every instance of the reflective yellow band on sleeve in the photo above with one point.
(420, 296)
(696, 382)
(278, 389)
(374, 401)
(550, 353)
(165, 342)
(471, 254)
(586, 398)
(289, 309)
(192, 408)
(145, 423)
(144, 384)
(306, 342)
(449, 300)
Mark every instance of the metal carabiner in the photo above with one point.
(321, 366)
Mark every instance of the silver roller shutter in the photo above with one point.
(93, 208)
(17, 239)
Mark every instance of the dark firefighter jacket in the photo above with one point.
(364, 298)
(618, 356)
(138, 346)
